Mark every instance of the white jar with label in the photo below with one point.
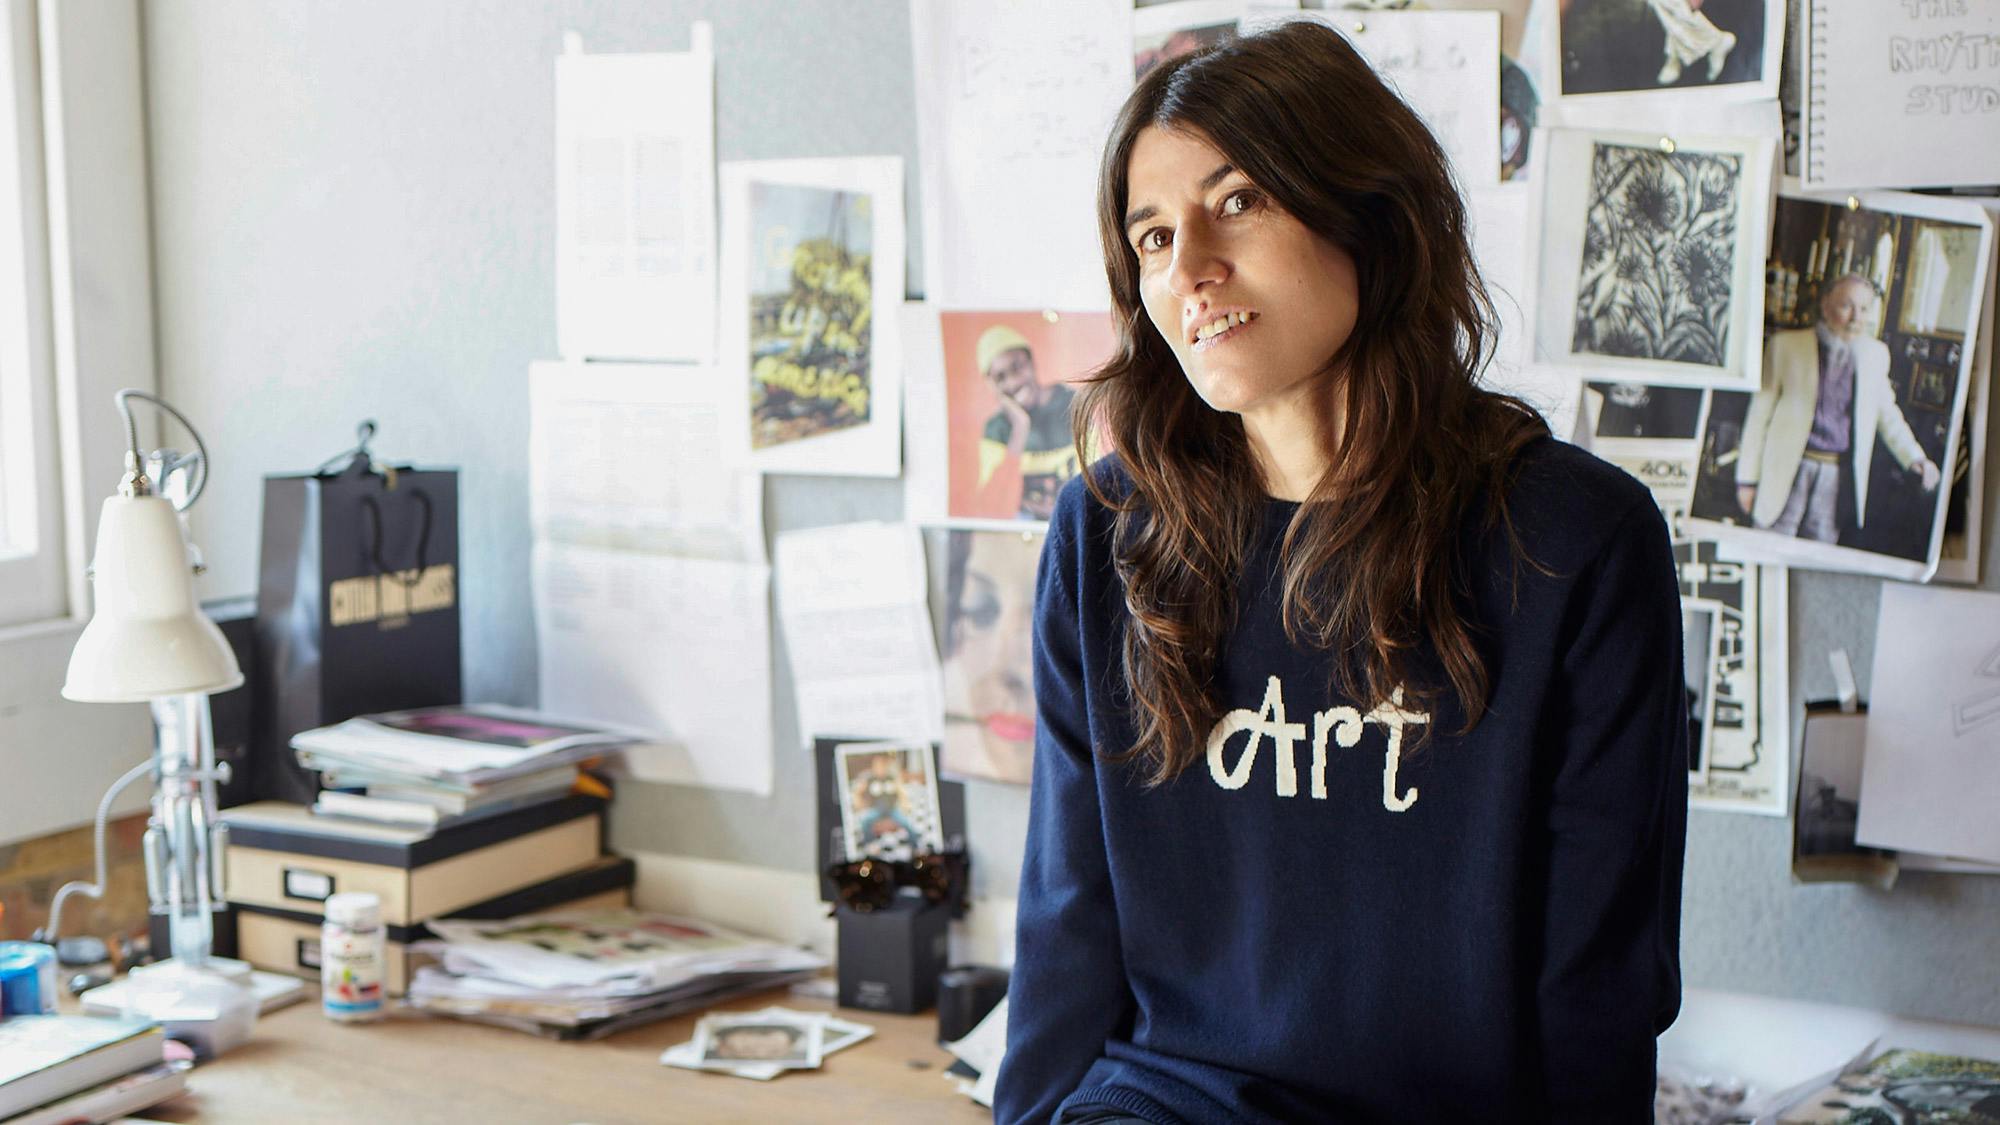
(352, 949)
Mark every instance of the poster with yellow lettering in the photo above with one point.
(810, 250)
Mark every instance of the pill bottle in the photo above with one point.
(351, 954)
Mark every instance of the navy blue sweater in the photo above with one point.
(1313, 925)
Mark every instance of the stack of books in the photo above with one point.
(60, 1069)
(437, 766)
(585, 974)
(283, 861)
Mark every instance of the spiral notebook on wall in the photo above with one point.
(1901, 93)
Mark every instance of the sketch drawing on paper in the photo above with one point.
(1659, 251)
(1973, 712)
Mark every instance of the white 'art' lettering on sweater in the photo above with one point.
(1343, 724)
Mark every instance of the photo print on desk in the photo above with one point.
(889, 800)
(812, 264)
(1837, 463)
(1721, 48)
(989, 672)
(1650, 250)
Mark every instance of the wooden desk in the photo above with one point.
(411, 1068)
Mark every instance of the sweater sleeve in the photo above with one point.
(1608, 981)
(1068, 991)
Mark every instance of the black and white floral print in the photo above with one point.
(1659, 245)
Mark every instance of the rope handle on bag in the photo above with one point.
(374, 512)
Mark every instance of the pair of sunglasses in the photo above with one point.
(870, 883)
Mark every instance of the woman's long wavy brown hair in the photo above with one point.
(1373, 565)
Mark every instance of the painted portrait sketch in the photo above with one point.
(1659, 245)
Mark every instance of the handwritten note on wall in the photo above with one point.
(1446, 66)
(1902, 93)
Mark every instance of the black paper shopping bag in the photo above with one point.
(357, 605)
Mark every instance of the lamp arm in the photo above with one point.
(133, 461)
(96, 889)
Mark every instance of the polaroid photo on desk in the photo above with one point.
(889, 805)
(755, 1040)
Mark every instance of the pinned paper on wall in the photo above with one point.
(635, 203)
(1013, 104)
(1444, 65)
(1901, 95)
(630, 457)
(1498, 217)
(812, 277)
(678, 648)
(858, 633)
(650, 589)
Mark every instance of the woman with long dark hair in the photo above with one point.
(1360, 778)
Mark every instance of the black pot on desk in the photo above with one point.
(889, 959)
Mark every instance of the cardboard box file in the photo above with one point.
(281, 857)
(287, 941)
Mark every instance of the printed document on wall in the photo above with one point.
(1013, 105)
(1930, 772)
(858, 631)
(679, 648)
(630, 457)
(635, 204)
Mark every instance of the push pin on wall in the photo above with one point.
(1853, 204)
(1667, 145)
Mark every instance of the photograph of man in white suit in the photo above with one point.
(1809, 436)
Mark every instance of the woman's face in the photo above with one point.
(992, 626)
(1252, 303)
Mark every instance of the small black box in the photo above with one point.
(889, 959)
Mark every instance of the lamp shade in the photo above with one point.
(147, 638)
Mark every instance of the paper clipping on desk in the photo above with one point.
(750, 1044)
(982, 1049)
(677, 648)
(812, 278)
(629, 457)
(1930, 771)
(1013, 104)
(635, 203)
(1444, 65)
(1740, 712)
(857, 626)
(1901, 1085)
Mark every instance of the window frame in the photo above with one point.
(99, 325)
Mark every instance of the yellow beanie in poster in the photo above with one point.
(996, 340)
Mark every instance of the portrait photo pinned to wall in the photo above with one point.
(1838, 461)
(1696, 50)
(889, 800)
(989, 678)
(1007, 400)
(1650, 251)
(812, 281)
(1162, 32)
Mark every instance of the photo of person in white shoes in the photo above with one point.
(1649, 46)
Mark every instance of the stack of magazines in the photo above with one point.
(582, 975)
(440, 765)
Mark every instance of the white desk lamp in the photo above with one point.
(149, 642)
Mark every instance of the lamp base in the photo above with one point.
(209, 1007)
